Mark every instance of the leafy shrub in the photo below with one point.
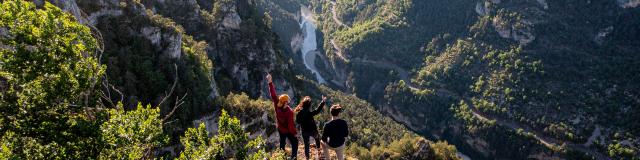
(48, 70)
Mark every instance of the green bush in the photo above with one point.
(48, 70)
(132, 134)
(230, 142)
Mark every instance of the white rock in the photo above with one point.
(153, 34)
(232, 21)
(214, 89)
(480, 9)
(296, 42)
(523, 35)
(210, 121)
(503, 31)
(71, 6)
(174, 47)
(93, 18)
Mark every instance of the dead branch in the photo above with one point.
(175, 82)
(178, 103)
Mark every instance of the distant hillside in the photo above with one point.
(136, 79)
(562, 72)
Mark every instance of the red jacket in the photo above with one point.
(284, 115)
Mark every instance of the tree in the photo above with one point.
(132, 134)
(231, 142)
(48, 70)
(443, 151)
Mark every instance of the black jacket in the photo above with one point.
(305, 117)
(335, 132)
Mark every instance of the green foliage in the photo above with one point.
(143, 70)
(379, 15)
(242, 104)
(250, 110)
(47, 73)
(132, 134)
(372, 134)
(230, 142)
(444, 151)
(619, 151)
(408, 147)
(278, 155)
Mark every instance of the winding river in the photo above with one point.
(310, 45)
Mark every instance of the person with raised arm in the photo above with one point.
(307, 123)
(284, 119)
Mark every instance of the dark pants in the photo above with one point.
(294, 143)
(305, 139)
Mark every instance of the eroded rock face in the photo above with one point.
(296, 42)
(241, 58)
(232, 21)
(72, 7)
(480, 9)
(520, 31)
(153, 34)
(174, 45)
(484, 7)
(231, 18)
(93, 18)
(131, 20)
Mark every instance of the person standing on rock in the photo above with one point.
(307, 123)
(334, 134)
(284, 119)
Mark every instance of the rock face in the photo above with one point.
(72, 7)
(153, 34)
(93, 18)
(521, 32)
(232, 21)
(174, 45)
(241, 57)
(135, 39)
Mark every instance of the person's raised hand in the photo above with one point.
(269, 78)
(324, 98)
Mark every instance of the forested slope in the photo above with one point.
(132, 79)
(552, 78)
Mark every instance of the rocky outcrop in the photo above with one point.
(242, 57)
(173, 45)
(93, 18)
(520, 31)
(480, 9)
(484, 7)
(232, 20)
(72, 7)
(153, 34)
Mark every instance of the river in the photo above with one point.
(309, 49)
